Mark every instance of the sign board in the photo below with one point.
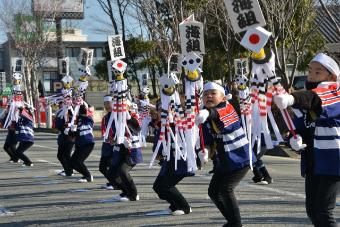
(175, 63)
(64, 66)
(57, 86)
(116, 47)
(241, 66)
(85, 57)
(192, 36)
(65, 9)
(244, 14)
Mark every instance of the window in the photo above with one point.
(72, 51)
(49, 78)
(98, 52)
(1, 61)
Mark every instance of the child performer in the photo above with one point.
(107, 146)
(229, 150)
(84, 143)
(125, 157)
(320, 156)
(25, 134)
(65, 142)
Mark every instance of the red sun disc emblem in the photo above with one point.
(119, 65)
(254, 39)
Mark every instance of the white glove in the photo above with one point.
(204, 157)
(201, 117)
(296, 143)
(127, 143)
(66, 131)
(128, 116)
(283, 101)
(73, 128)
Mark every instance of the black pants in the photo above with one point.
(165, 187)
(64, 156)
(79, 155)
(19, 152)
(221, 192)
(120, 177)
(321, 192)
(104, 164)
(10, 145)
(10, 150)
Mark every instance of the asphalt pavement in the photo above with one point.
(37, 196)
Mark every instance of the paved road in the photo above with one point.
(31, 196)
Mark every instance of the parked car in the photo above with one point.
(299, 82)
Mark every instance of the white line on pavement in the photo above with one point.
(263, 188)
(45, 161)
(50, 148)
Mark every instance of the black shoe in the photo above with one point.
(265, 174)
(257, 179)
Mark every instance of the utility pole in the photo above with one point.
(59, 34)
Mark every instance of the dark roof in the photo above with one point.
(327, 27)
(84, 43)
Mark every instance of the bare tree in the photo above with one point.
(293, 27)
(30, 35)
(108, 7)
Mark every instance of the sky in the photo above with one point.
(94, 19)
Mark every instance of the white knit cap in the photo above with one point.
(213, 86)
(328, 62)
(107, 98)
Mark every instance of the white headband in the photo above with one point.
(328, 62)
(107, 98)
(213, 86)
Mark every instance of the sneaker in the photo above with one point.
(107, 186)
(85, 179)
(178, 212)
(124, 199)
(269, 180)
(257, 179)
(62, 173)
(118, 197)
(27, 164)
(82, 180)
(262, 182)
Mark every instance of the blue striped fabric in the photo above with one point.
(24, 129)
(327, 137)
(85, 131)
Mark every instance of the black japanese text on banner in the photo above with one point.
(244, 14)
(175, 63)
(241, 66)
(192, 36)
(85, 57)
(116, 47)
